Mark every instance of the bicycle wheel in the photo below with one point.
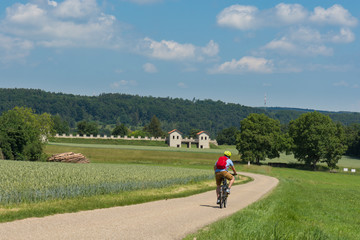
(221, 197)
(225, 199)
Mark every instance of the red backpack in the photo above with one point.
(221, 163)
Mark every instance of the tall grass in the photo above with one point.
(35, 181)
(305, 205)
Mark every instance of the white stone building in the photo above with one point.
(203, 139)
(175, 138)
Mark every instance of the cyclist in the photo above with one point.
(221, 171)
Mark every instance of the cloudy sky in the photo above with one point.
(303, 54)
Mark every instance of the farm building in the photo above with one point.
(203, 140)
(175, 138)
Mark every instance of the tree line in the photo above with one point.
(313, 138)
(137, 111)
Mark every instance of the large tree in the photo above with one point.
(352, 133)
(22, 134)
(317, 139)
(87, 128)
(260, 137)
(120, 130)
(154, 127)
(227, 136)
(60, 126)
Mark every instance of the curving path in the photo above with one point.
(165, 219)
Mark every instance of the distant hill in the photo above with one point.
(136, 111)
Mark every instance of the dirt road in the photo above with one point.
(166, 219)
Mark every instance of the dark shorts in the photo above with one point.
(220, 175)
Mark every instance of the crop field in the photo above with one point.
(26, 182)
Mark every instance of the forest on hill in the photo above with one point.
(136, 111)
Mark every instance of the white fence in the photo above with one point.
(111, 137)
(128, 138)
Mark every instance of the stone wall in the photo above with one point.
(110, 137)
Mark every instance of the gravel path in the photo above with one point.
(165, 219)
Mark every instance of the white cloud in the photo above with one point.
(305, 34)
(182, 85)
(14, 48)
(246, 17)
(285, 46)
(70, 23)
(27, 14)
(238, 16)
(341, 84)
(76, 8)
(142, 2)
(306, 41)
(345, 36)
(171, 50)
(150, 68)
(345, 84)
(335, 15)
(290, 13)
(52, 3)
(244, 65)
(123, 84)
(212, 49)
(282, 44)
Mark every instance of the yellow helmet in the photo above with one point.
(227, 153)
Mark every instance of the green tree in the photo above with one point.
(154, 127)
(120, 130)
(352, 133)
(193, 133)
(139, 133)
(227, 136)
(23, 134)
(60, 126)
(87, 128)
(316, 139)
(260, 137)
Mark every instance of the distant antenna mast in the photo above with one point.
(265, 101)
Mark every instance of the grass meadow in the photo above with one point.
(305, 205)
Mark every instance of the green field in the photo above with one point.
(116, 176)
(24, 182)
(110, 141)
(305, 205)
(345, 161)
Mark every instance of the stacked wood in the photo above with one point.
(68, 157)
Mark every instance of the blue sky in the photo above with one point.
(303, 54)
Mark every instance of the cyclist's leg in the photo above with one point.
(231, 179)
(218, 177)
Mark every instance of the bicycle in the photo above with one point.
(223, 192)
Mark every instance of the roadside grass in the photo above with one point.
(13, 212)
(305, 205)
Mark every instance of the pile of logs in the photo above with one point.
(68, 157)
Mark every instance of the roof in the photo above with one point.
(203, 132)
(175, 130)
